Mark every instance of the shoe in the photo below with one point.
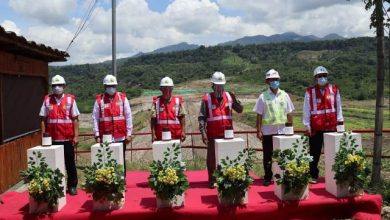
(211, 185)
(266, 182)
(313, 181)
(72, 191)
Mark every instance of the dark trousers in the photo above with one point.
(316, 141)
(211, 163)
(124, 155)
(70, 164)
(267, 156)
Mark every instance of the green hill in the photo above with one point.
(351, 62)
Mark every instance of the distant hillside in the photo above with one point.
(351, 63)
(176, 47)
(278, 38)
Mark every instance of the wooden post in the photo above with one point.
(1, 109)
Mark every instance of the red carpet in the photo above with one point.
(202, 203)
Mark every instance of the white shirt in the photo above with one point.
(127, 113)
(44, 111)
(261, 109)
(307, 112)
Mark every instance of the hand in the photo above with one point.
(154, 137)
(97, 139)
(204, 139)
(308, 132)
(128, 139)
(260, 135)
(75, 140)
(183, 136)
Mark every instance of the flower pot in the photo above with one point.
(342, 191)
(227, 202)
(106, 205)
(177, 201)
(35, 207)
(280, 192)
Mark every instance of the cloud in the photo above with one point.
(10, 26)
(51, 12)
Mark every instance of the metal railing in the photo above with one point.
(193, 146)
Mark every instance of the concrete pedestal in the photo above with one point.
(282, 143)
(55, 160)
(159, 147)
(331, 147)
(117, 153)
(228, 148)
(177, 201)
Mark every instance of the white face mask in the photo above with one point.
(58, 90)
(111, 90)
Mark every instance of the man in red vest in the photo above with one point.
(112, 115)
(167, 113)
(321, 113)
(215, 115)
(59, 118)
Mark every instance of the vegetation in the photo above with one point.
(351, 64)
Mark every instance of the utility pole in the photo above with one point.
(113, 36)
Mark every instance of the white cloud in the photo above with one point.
(10, 26)
(193, 21)
(52, 12)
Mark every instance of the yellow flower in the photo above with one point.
(355, 160)
(168, 176)
(106, 175)
(293, 170)
(235, 173)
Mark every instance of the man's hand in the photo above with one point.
(97, 139)
(75, 140)
(128, 139)
(260, 135)
(308, 132)
(183, 136)
(204, 139)
(154, 137)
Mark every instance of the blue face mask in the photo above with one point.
(322, 81)
(274, 84)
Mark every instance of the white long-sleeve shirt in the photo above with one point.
(127, 114)
(307, 112)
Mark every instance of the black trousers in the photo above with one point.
(211, 160)
(70, 164)
(316, 142)
(268, 148)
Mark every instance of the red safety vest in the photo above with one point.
(167, 116)
(219, 114)
(59, 122)
(323, 113)
(112, 118)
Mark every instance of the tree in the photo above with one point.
(377, 21)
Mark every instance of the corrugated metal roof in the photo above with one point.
(11, 42)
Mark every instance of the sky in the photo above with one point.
(146, 25)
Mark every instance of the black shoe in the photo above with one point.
(72, 191)
(266, 182)
(211, 185)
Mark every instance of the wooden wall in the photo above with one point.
(13, 159)
(20, 65)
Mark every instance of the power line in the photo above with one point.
(81, 27)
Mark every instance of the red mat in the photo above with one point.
(202, 202)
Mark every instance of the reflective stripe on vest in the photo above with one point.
(276, 109)
(177, 106)
(59, 121)
(67, 112)
(115, 118)
(221, 117)
(102, 106)
(315, 111)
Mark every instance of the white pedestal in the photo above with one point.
(159, 147)
(117, 153)
(55, 160)
(282, 142)
(228, 148)
(331, 147)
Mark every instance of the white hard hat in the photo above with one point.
(166, 81)
(218, 78)
(110, 80)
(272, 74)
(58, 80)
(319, 70)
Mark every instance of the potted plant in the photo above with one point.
(350, 167)
(233, 179)
(292, 170)
(167, 179)
(105, 181)
(45, 185)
